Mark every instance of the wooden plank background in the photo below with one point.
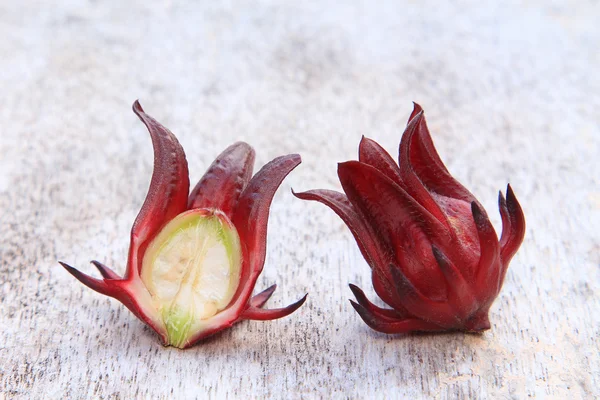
(511, 93)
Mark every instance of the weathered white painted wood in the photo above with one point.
(511, 93)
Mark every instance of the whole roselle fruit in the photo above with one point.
(194, 258)
(435, 257)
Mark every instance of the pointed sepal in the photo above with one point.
(226, 178)
(168, 193)
(262, 314)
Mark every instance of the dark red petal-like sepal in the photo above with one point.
(362, 299)
(98, 285)
(386, 325)
(261, 314)
(168, 193)
(489, 267)
(339, 203)
(106, 272)
(225, 179)
(261, 299)
(515, 231)
(371, 153)
(251, 217)
(460, 292)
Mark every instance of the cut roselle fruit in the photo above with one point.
(194, 260)
(435, 257)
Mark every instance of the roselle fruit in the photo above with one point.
(435, 257)
(194, 258)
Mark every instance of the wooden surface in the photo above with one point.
(511, 93)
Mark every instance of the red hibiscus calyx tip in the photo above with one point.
(194, 258)
(435, 257)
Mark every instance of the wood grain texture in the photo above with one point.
(511, 93)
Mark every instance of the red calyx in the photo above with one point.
(228, 210)
(435, 257)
